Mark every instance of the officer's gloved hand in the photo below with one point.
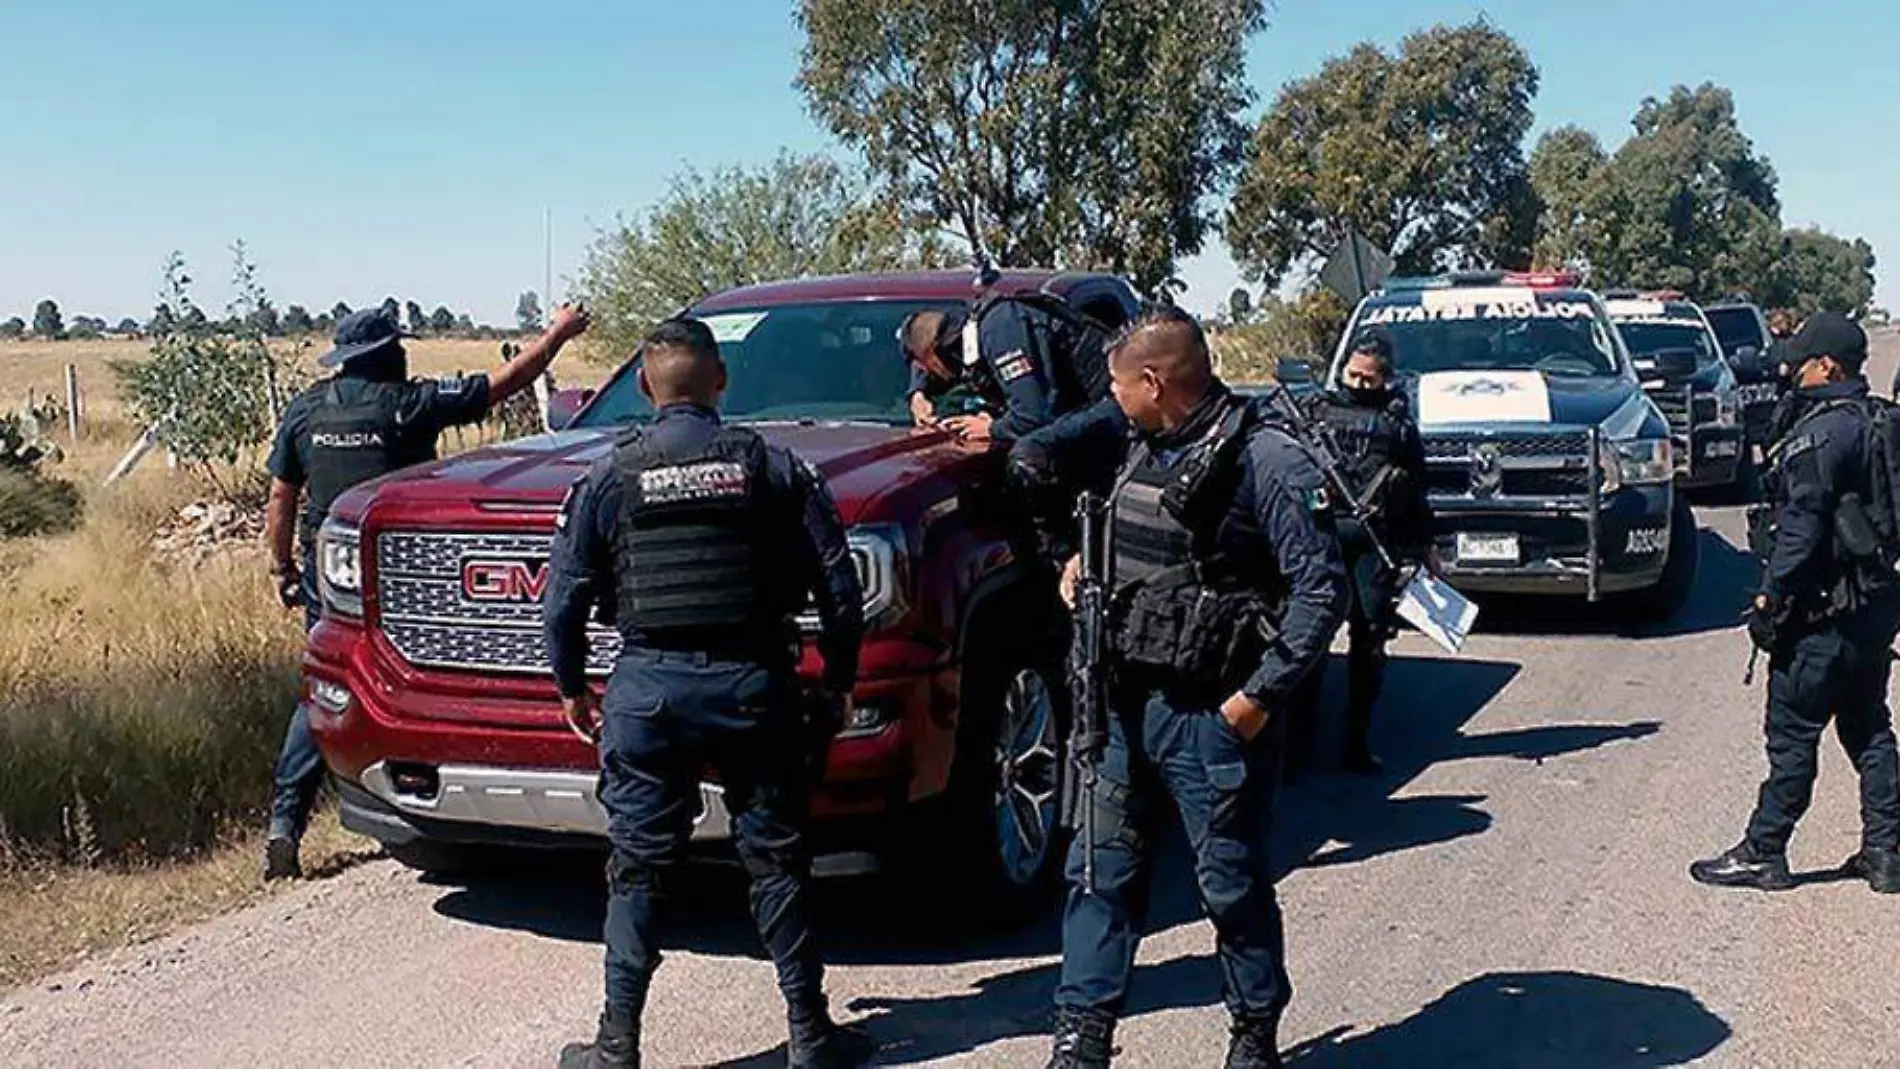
(289, 586)
(824, 718)
(1763, 618)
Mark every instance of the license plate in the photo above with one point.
(1488, 549)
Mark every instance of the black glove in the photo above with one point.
(289, 586)
(1764, 618)
(824, 718)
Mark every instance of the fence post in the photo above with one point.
(270, 389)
(72, 401)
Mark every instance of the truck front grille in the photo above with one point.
(1521, 465)
(432, 619)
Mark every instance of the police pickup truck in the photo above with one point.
(1681, 363)
(1551, 470)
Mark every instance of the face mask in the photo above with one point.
(1371, 397)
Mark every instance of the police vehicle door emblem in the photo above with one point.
(1487, 475)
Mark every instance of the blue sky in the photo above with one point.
(364, 149)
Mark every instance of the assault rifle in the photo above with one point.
(1088, 671)
(1319, 438)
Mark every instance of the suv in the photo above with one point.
(427, 680)
(1743, 331)
(1681, 364)
(1549, 469)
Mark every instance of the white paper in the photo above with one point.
(1444, 615)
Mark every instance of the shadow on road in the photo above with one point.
(1326, 820)
(1725, 575)
(1537, 1020)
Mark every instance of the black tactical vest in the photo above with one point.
(689, 545)
(1178, 607)
(351, 441)
(1368, 439)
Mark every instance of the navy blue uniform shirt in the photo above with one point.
(581, 562)
(429, 407)
(1280, 510)
(1821, 458)
(1016, 345)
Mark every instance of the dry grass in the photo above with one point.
(141, 706)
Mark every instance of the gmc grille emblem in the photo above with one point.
(504, 580)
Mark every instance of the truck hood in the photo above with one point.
(859, 462)
(1450, 401)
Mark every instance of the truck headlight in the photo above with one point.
(340, 567)
(1637, 462)
(878, 556)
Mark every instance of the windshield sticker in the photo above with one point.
(733, 326)
(1438, 311)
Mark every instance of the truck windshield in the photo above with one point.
(1735, 327)
(1444, 332)
(825, 361)
(1645, 339)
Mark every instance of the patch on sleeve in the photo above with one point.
(567, 503)
(1317, 499)
(1013, 365)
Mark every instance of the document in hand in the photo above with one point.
(1431, 605)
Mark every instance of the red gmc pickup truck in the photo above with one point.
(428, 686)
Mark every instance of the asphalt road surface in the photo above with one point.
(1513, 892)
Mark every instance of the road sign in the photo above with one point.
(1355, 268)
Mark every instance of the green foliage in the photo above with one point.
(1419, 151)
(31, 502)
(1240, 306)
(1819, 272)
(418, 319)
(13, 328)
(1566, 170)
(208, 389)
(297, 320)
(47, 322)
(528, 312)
(1086, 135)
(798, 216)
(1305, 328)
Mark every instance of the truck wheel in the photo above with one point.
(1663, 601)
(1005, 832)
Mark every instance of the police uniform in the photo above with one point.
(699, 542)
(1028, 365)
(1383, 461)
(1827, 625)
(366, 421)
(1226, 577)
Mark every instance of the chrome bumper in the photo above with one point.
(532, 799)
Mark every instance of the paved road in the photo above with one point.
(1512, 893)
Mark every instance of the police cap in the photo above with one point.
(1829, 334)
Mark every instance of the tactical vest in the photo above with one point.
(1179, 608)
(1367, 438)
(353, 442)
(1078, 349)
(690, 544)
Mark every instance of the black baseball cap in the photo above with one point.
(1828, 334)
(360, 333)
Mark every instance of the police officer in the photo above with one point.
(368, 420)
(1383, 462)
(1826, 622)
(701, 542)
(1226, 584)
(1029, 364)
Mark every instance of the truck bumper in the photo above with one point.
(1716, 457)
(1553, 543)
(533, 783)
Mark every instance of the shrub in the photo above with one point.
(31, 502)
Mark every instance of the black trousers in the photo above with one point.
(1836, 672)
(1369, 619)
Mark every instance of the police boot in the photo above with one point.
(1742, 866)
(615, 1046)
(819, 1043)
(1254, 1044)
(1880, 868)
(1083, 1040)
(280, 859)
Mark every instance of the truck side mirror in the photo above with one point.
(564, 405)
